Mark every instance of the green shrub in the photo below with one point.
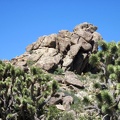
(68, 116)
(30, 62)
(58, 71)
(97, 85)
(53, 113)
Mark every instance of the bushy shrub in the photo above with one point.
(58, 71)
(68, 116)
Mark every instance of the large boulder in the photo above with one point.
(49, 41)
(85, 35)
(49, 60)
(72, 79)
(29, 47)
(85, 45)
(62, 45)
(74, 39)
(38, 42)
(74, 49)
(86, 27)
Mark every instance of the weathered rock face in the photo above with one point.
(72, 79)
(67, 50)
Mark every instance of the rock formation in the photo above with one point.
(66, 50)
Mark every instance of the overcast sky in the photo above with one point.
(23, 21)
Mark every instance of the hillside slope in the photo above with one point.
(63, 77)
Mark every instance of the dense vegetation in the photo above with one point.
(24, 93)
(107, 62)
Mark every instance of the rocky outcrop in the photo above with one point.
(66, 50)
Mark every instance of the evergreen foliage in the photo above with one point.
(23, 96)
(58, 71)
(109, 66)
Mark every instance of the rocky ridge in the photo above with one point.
(66, 50)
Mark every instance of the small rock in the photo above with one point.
(60, 107)
(67, 101)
